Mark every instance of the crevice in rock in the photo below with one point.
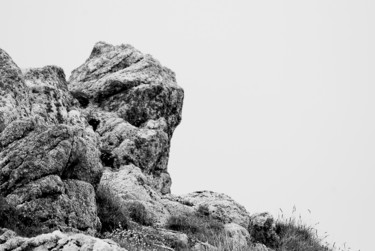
(114, 87)
(82, 98)
(107, 158)
(124, 63)
(68, 172)
(127, 160)
(94, 123)
(71, 164)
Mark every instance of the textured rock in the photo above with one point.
(238, 235)
(55, 241)
(134, 104)
(50, 175)
(135, 86)
(49, 95)
(260, 247)
(117, 112)
(130, 185)
(120, 108)
(147, 147)
(151, 238)
(49, 155)
(202, 246)
(220, 206)
(14, 94)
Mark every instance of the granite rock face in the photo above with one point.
(109, 127)
(134, 104)
(49, 95)
(119, 109)
(135, 86)
(14, 95)
(49, 156)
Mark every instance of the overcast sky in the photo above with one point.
(279, 95)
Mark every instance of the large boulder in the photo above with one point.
(130, 185)
(134, 104)
(220, 207)
(146, 147)
(134, 85)
(50, 174)
(238, 235)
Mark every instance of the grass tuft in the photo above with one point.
(111, 214)
(201, 227)
(296, 235)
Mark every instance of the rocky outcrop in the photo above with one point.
(109, 128)
(238, 235)
(49, 166)
(55, 241)
(49, 96)
(120, 108)
(134, 104)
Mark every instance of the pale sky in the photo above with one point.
(279, 95)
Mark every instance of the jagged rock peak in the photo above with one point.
(135, 86)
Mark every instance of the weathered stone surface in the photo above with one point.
(14, 94)
(49, 95)
(202, 246)
(220, 206)
(151, 238)
(62, 150)
(147, 147)
(55, 241)
(49, 175)
(49, 155)
(134, 104)
(135, 86)
(118, 110)
(238, 235)
(130, 185)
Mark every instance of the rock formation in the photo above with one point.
(55, 241)
(107, 129)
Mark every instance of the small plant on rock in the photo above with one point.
(203, 228)
(137, 212)
(298, 236)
